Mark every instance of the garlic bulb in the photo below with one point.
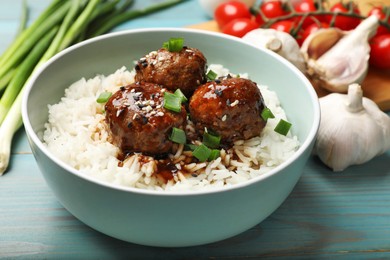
(277, 41)
(336, 58)
(352, 131)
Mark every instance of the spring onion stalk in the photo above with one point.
(13, 120)
(60, 25)
(68, 20)
(107, 12)
(7, 130)
(78, 24)
(120, 18)
(22, 73)
(20, 40)
(34, 37)
(23, 18)
(6, 78)
(100, 13)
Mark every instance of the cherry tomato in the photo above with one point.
(304, 6)
(272, 9)
(380, 12)
(284, 26)
(344, 22)
(229, 11)
(240, 26)
(288, 26)
(313, 28)
(380, 51)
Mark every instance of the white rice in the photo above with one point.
(76, 133)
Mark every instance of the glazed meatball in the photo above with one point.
(138, 122)
(185, 69)
(229, 107)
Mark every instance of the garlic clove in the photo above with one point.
(322, 41)
(353, 130)
(336, 59)
(279, 42)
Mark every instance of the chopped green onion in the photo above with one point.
(190, 147)
(266, 114)
(172, 102)
(174, 44)
(178, 136)
(215, 153)
(282, 127)
(202, 152)
(181, 95)
(211, 75)
(210, 140)
(104, 97)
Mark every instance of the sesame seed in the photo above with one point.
(147, 108)
(145, 120)
(224, 118)
(118, 112)
(234, 103)
(160, 113)
(135, 116)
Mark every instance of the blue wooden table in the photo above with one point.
(328, 215)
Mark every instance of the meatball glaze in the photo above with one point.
(185, 69)
(138, 121)
(229, 107)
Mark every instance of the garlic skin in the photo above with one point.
(336, 58)
(352, 131)
(279, 42)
